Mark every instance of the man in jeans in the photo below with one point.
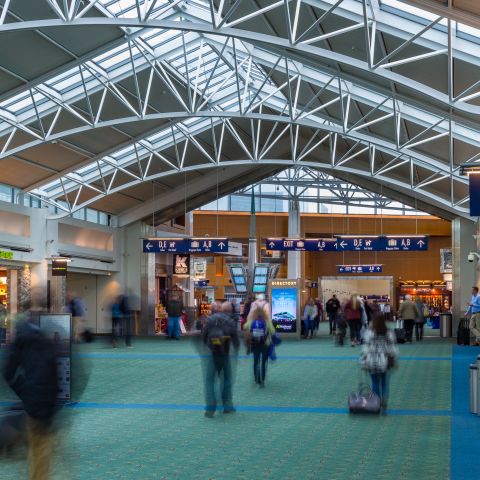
(220, 336)
(474, 311)
(31, 372)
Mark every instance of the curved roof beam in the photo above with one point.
(375, 20)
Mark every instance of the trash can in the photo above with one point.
(473, 388)
(445, 325)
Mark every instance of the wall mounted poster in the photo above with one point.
(284, 298)
(58, 327)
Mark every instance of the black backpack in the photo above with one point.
(217, 340)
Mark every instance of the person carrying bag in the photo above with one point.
(379, 356)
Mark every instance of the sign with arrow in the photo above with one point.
(185, 245)
(350, 243)
(359, 268)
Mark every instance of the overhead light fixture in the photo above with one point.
(469, 168)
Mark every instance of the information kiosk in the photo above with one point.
(285, 301)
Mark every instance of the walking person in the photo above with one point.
(259, 330)
(31, 372)
(421, 319)
(353, 316)
(220, 336)
(408, 312)
(379, 356)
(319, 316)
(474, 312)
(117, 318)
(332, 308)
(309, 314)
(174, 312)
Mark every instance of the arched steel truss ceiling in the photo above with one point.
(366, 144)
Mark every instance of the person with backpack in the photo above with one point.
(379, 355)
(259, 330)
(174, 312)
(220, 336)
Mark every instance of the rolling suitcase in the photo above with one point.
(400, 333)
(463, 332)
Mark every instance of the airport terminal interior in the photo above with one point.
(239, 239)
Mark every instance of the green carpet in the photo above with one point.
(135, 443)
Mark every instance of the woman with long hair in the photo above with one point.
(353, 316)
(258, 331)
(379, 355)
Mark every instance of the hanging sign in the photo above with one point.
(181, 264)
(59, 268)
(185, 245)
(359, 268)
(7, 255)
(349, 243)
(201, 283)
(474, 188)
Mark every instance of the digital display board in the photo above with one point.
(239, 280)
(237, 271)
(259, 288)
(285, 311)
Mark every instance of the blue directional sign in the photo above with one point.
(359, 268)
(201, 283)
(302, 244)
(185, 245)
(405, 243)
(351, 243)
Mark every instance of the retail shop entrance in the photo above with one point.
(370, 287)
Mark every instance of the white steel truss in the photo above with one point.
(233, 79)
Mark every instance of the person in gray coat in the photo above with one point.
(408, 312)
(420, 320)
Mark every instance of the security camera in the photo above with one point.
(472, 256)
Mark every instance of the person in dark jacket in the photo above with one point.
(31, 371)
(174, 311)
(332, 308)
(220, 337)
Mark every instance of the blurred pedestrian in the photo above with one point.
(174, 312)
(259, 330)
(420, 319)
(333, 308)
(31, 371)
(353, 315)
(76, 306)
(408, 312)
(117, 318)
(309, 314)
(474, 313)
(379, 356)
(319, 316)
(220, 336)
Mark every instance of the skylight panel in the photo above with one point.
(413, 13)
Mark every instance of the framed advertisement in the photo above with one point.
(285, 303)
(58, 327)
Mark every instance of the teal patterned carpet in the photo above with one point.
(140, 416)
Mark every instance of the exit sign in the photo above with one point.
(7, 255)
